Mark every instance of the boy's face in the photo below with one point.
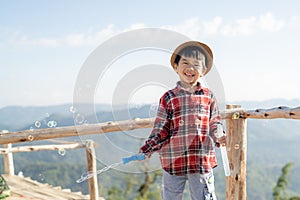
(189, 70)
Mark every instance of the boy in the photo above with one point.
(185, 127)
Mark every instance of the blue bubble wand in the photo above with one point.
(124, 161)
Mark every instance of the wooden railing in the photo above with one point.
(236, 129)
(8, 151)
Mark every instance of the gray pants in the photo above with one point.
(201, 186)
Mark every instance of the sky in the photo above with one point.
(45, 43)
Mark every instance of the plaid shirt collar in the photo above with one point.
(197, 89)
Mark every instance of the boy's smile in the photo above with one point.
(189, 70)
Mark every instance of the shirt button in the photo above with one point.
(181, 122)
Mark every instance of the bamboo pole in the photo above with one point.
(237, 156)
(92, 168)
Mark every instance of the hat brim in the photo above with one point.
(208, 53)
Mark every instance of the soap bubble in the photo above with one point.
(79, 119)
(72, 109)
(41, 177)
(49, 124)
(47, 115)
(61, 151)
(153, 110)
(52, 124)
(37, 124)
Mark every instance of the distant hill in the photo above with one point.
(15, 118)
(268, 103)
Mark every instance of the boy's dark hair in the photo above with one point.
(190, 51)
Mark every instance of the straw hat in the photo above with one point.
(206, 50)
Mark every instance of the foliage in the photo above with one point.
(56, 174)
(136, 187)
(279, 191)
(4, 189)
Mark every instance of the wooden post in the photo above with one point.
(8, 159)
(236, 130)
(91, 168)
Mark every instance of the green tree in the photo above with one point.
(115, 193)
(279, 192)
(144, 189)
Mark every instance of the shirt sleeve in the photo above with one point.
(161, 128)
(215, 119)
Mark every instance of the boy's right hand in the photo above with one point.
(147, 155)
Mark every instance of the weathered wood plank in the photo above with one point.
(61, 132)
(40, 148)
(272, 113)
(8, 161)
(237, 156)
(92, 168)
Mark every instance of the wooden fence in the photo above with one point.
(8, 151)
(236, 129)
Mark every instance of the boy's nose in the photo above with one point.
(191, 67)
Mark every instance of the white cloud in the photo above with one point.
(293, 24)
(73, 39)
(212, 27)
(249, 26)
(192, 27)
(51, 42)
(136, 26)
(267, 22)
(252, 25)
(100, 36)
(243, 27)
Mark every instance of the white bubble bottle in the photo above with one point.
(223, 152)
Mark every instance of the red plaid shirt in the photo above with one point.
(184, 131)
